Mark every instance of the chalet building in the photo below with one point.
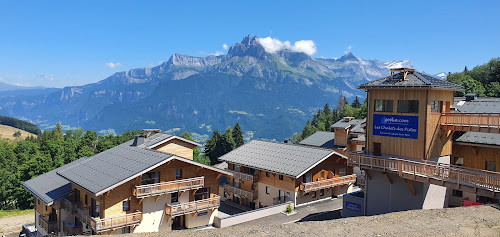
(147, 184)
(269, 173)
(420, 146)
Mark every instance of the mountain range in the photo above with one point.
(271, 94)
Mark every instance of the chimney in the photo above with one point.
(348, 119)
(470, 97)
(139, 140)
(287, 141)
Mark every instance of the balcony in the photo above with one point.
(49, 226)
(180, 209)
(70, 229)
(156, 189)
(105, 224)
(243, 176)
(69, 206)
(474, 122)
(328, 183)
(482, 182)
(240, 192)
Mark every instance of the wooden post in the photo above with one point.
(408, 182)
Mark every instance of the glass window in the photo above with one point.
(436, 106)
(491, 166)
(342, 171)
(178, 173)
(236, 167)
(457, 193)
(174, 197)
(280, 177)
(77, 196)
(86, 202)
(407, 106)
(126, 205)
(202, 193)
(236, 183)
(321, 192)
(322, 174)
(384, 105)
(314, 194)
(268, 174)
(150, 178)
(268, 190)
(126, 230)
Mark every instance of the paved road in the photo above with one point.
(319, 211)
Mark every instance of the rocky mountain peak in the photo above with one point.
(247, 47)
(348, 57)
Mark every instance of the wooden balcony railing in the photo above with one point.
(282, 199)
(457, 177)
(70, 229)
(241, 192)
(474, 122)
(243, 176)
(109, 223)
(49, 226)
(149, 190)
(328, 183)
(69, 206)
(192, 207)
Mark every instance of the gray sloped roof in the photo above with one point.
(113, 167)
(321, 139)
(359, 128)
(413, 80)
(283, 158)
(478, 105)
(342, 124)
(159, 138)
(50, 187)
(360, 138)
(479, 138)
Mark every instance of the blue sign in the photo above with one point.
(353, 206)
(202, 213)
(395, 126)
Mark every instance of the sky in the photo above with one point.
(67, 43)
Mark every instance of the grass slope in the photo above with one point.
(7, 132)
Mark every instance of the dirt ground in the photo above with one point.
(14, 223)
(460, 221)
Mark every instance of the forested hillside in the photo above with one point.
(323, 119)
(483, 80)
(23, 125)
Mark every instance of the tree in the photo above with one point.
(493, 89)
(17, 134)
(238, 135)
(227, 143)
(211, 149)
(356, 103)
(308, 130)
(342, 102)
(196, 150)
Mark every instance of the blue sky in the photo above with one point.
(61, 43)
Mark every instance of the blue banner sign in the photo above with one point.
(202, 213)
(395, 126)
(353, 206)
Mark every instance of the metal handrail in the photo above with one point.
(451, 173)
(147, 190)
(192, 207)
(328, 183)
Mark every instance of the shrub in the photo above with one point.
(289, 209)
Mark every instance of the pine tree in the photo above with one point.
(211, 150)
(308, 130)
(227, 143)
(356, 103)
(238, 136)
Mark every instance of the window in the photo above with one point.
(236, 167)
(457, 193)
(322, 174)
(178, 173)
(46, 209)
(174, 197)
(86, 202)
(150, 178)
(491, 166)
(253, 186)
(95, 208)
(342, 171)
(407, 106)
(38, 201)
(268, 190)
(261, 205)
(126, 205)
(236, 183)
(268, 174)
(321, 192)
(126, 230)
(77, 196)
(202, 193)
(459, 161)
(436, 106)
(251, 171)
(314, 194)
(280, 177)
(384, 105)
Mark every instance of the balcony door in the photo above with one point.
(309, 177)
(95, 208)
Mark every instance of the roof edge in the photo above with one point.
(174, 137)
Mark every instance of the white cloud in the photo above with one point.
(348, 49)
(273, 45)
(112, 65)
(218, 53)
(47, 77)
(224, 46)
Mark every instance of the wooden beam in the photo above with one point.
(107, 193)
(218, 176)
(451, 134)
(198, 169)
(140, 200)
(157, 197)
(388, 177)
(410, 187)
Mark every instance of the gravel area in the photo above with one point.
(460, 221)
(14, 223)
